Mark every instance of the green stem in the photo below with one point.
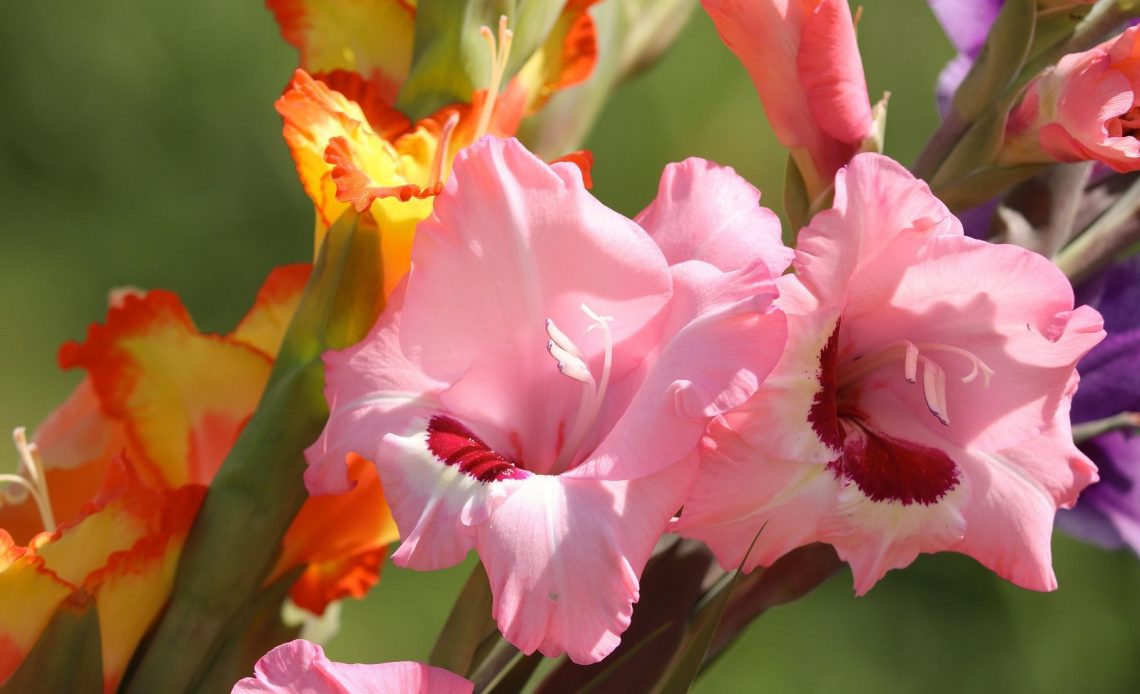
(1113, 231)
(1087, 430)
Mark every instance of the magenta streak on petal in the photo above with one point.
(453, 444)
(884, 468)
(824, 413)
(890, 469)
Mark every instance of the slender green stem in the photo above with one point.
(1124, 420)
(1113, 231)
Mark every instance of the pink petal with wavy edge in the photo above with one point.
(514, 241)
(1007, 306)
(301, 666)
(742, 491)
(876, 202)
(564, 556)
(707, 212)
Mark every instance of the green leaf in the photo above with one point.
(236, 537)
(68, 657)
(450, 58)
(468, 625)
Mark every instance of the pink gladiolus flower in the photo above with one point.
(803, 59)
(301, 666)
(538, 386)
(1087, 107)
(922, 402)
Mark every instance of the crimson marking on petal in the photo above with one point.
(890, 469)
(824, 413)
(454, 444)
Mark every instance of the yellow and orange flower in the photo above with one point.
(352, 147)
(127, 459)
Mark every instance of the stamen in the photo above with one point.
(572, 363)
(910, 367)
(499, 55)
(30, 480)
(440, 162)
(933, 375)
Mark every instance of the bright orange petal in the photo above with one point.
(347, 577)
(30, 594)
(264, 326)
(182, 396)
(371, 38)
(340, 538)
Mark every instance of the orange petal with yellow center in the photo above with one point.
(182, 396)
(372, 38)
(30, 595)
(341, 538)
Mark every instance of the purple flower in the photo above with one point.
(966, 23)
(1108, 513)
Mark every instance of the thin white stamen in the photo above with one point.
(933, 375)
(561, 339)
(563, 348)
(30, 479)
(499, 55)
(910, 367)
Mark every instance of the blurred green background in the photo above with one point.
(140, 147)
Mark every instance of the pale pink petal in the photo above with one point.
(707, 212)
(301, 667)
(1016, 492)
(564, 555)
(722, 339)
(1011, 308)
(514, 241)
(741, 489)
(831, 72)
(878, 204)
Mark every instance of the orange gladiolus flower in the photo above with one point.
(124, 463)
(352, 147)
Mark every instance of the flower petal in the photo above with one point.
(182, 396)
(301, 666)
(722, 339)
(30, 594)
(525, 241)
(563, 557)
(742, 489)
(707, 212)
(373, 39)
(341, 538)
